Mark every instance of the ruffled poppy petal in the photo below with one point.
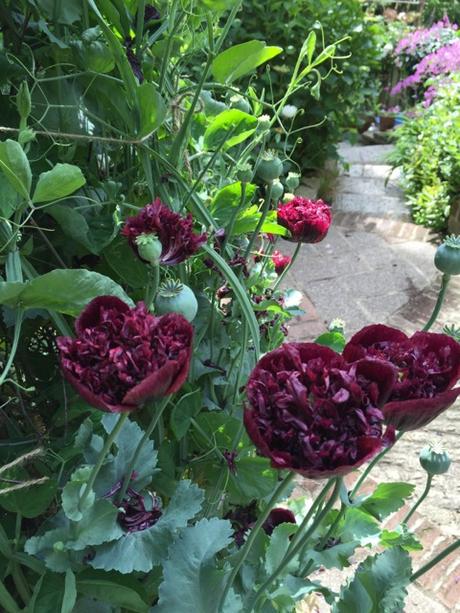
(91, 314)
(355, 349)
(413, 414)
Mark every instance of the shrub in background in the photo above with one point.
(427, 151)
(335, 105)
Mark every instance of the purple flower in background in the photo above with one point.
(151, 13)
(230, 457)
(278, 516)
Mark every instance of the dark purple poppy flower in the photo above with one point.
(307, 220)
(278, 516)
(230, 457)
(242, 519)
(151, 13)
(174, 232)
(427, 367)
(280, 261)
(311, 412)
(123, 356)
(133, 59)
(133, 515)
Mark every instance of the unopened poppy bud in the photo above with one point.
(277, 190)
(23, 101)
(292, 181)
(149, 248)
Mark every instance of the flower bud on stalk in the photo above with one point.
(447, 257)
(23, 102)
(277, 190)
(270, 167)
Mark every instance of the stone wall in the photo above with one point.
(454, 219)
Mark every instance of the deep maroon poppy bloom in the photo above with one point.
(133, 59)
(230, 457)
(122, 356)
(307, 220)
(151, 12)
(174, 231)
(133, 515)
(427, 367)
(311, 412)
(280, 261)
(242, 519)
(278, 516)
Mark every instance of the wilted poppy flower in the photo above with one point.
(307, 220)
(311, 412)
(133, 515)
(427, 367)
(174, 231)
(122, 356)
(278, 516)
(280, 261)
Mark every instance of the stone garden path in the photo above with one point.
(377, 267)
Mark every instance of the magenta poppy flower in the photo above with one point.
(308, 221)
(280, 261)
(311, 412)
(175, 232)
(427, 367)
(123, 356)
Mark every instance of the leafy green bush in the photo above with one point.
(428, 153)
(351, 87)
(434, 10)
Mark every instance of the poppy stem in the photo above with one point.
(158, 412)
(282, 487)
(288, 267)
(260, 223)
(152, 285)
(420, 500)
(302, 542)
(437, 307)
(429, 565)
(100, 461)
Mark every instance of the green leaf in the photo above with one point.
(240, 293)
(190, 573)
(119, 256)
(65, 291)
(402, 537)
(126, 442)
(59, 182)
(15, 165)
(334, 340)
(119, 591)
(61, 12)
(332, 557)
(228, 199)
(386, 499)
(379, 584)
(70, 592)
(152, 109)
(242, 59)
(279, 543)
(141, 551)
(219, 5)
(185, 409)
(357, 525)
(254, 479)
(48, 597)
(228, 129)
(30, 502)
(308, 48)
(73, 491)
(9, 197)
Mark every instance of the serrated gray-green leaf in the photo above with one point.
(279, 543)
(72, 503)
(126, 442)
(379, 585)
(190, 574)
(141, 551)
(387, 498)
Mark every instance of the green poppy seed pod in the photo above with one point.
(292, 181)
(264, 123)
(23, 101)
(245, 173)
(149, 248)
(277, 190)
(447, 256)
(337, 325)
(269, 167)
(175, 297)
(433, 461)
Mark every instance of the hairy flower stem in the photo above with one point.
(300, 545)
(152, 285)
(231, 224)
(288, 268)
(100, 461)
(282, 487)
(158, 412)
(429, 565)
(6, 600)
(420, 500)
(437, 307)
(263, 216)
(306, 520)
